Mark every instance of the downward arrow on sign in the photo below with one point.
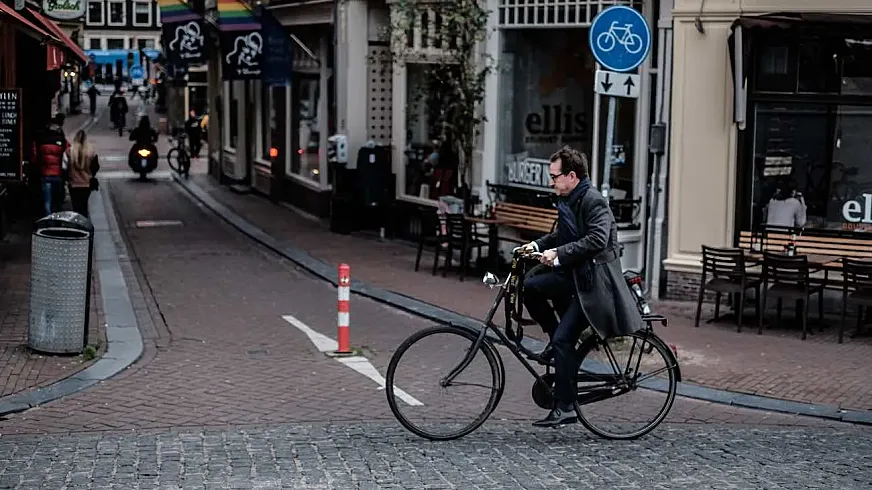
(607, 84)
(629, 84)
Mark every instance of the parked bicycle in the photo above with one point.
(601, 377)
(178, 157)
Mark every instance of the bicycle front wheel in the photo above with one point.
(626, 385)
(447, 395)
(178, 160)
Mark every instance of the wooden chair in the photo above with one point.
(856, 290)
(460, 236)
(431, 236)
(723, 271)
(789, 279)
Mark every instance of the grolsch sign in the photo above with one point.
(64, 9)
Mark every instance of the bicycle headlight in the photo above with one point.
(145, 152)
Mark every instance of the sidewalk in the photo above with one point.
(20, 368)
(777, 364)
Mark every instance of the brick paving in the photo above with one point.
(776, 364)
(218, 351)
(20, 368)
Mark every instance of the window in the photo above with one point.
(233, 114)
(117, 13)
(427, 165)
(546, 100)
(141, 13)
(114, 43)
(145, 43)
(306, 162)
(267, 115)
(277, 123)
(95, 43)
(95, 12)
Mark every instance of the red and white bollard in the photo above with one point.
(344, 309)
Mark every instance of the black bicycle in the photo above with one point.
(452, 356)
(178, 157)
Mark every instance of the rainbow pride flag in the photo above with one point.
(172, 11)
(233, 15)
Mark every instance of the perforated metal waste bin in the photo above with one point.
(60, 278)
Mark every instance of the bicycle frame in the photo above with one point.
(614, 384)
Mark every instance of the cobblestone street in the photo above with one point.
(500, 456)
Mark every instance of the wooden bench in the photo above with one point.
(526, 218)
(837, 247)
(830, 246)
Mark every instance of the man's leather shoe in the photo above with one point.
(558, 416)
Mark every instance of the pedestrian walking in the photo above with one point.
(93, 92)
(84, 166)
(50, 147)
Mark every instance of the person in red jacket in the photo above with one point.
(49, 147)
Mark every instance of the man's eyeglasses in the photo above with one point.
(555, 177)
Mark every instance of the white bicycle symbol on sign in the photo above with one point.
(624, 36)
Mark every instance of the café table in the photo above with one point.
(493, 245)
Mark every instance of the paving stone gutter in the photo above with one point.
(440, 315)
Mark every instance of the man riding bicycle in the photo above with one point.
(586, 286)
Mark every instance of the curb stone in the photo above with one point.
(440, 315)
(123, 340)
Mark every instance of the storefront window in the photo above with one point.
(429, 168)
(307, 162)
(823, 152)
(546, 98)
(277, 119)
(233, 114)
(267, 115)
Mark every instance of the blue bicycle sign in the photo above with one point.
(620, 38)
(624, 36)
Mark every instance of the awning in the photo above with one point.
(7, 10)
(822, 23)
(60, 34)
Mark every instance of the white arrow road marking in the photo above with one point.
(359, 363)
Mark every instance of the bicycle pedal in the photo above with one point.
(524, 322)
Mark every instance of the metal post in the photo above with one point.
(607, 151)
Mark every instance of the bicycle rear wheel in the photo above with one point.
(613, 406)
(420, 366)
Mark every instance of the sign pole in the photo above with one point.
(619, 40)
(608, 154)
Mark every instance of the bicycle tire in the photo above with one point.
(175, 158)
(497, 373)
(661, 347)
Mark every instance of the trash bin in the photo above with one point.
(60, 279)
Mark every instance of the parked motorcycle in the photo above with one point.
(142, 159)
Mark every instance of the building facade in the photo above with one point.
(540, 97)
(765, 93)
(116, 30)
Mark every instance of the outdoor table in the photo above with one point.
(493, 245)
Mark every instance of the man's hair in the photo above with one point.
(58, 119)
(571, 160)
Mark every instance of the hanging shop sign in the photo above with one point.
(64, 9)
